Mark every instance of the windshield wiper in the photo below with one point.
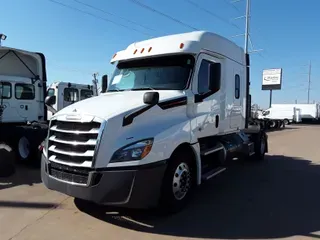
(116, 90)
(142, 88)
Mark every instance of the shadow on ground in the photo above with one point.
(24, 175)
(278, 197)
(282, 129)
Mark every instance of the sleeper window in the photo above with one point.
(237, 87)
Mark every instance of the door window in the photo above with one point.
(24, 91)
(204, 75)
(5, 90)
(51, 92)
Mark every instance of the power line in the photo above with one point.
(162, 14)
(112, 14)
(212, 14)
(98, 17)
(231, 4)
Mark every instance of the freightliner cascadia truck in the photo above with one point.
(175, 113)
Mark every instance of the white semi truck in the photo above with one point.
(23, 113)
(68, 93)
(175, 114)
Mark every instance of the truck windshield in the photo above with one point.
(161, 73)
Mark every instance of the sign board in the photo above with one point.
(272, 79)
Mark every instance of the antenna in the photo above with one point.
(309, 81)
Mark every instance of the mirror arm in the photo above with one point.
(200, 96)
(52, 109)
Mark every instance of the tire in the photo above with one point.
(23, 149)
(286, 122)
(260, 146)
(181, 167)
(7, 160)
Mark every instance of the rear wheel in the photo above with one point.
(7, 160)
(178, 182)
(286, 122)
(260, 146)
(24, 150)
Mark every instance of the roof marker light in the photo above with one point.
(142, 50)
(181, 45)
(135, 51)
(114, 55)
(150, 48)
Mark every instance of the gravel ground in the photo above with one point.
(273, 199)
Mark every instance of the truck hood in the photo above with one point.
(111, 104)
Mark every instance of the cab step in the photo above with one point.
(212, 173)
(214, 149)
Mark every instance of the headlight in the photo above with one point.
(133, 152)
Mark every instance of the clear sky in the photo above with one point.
(77, 44)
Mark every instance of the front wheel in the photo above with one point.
(178, 183)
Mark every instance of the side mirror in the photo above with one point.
(104, 83)
(50, 100)
(151, 98)
(214, 77)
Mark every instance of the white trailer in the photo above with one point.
(290, 111)
(176, 113)
(308, 111)
(67, 93)
(22, 110)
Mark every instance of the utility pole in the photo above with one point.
(309, 81)
(95, 82)
(247, 30)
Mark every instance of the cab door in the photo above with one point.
(207, 103)
(25, 96)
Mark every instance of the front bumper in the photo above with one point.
(137, 187)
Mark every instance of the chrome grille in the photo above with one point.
(72, 142)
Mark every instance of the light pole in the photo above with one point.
(2, 37)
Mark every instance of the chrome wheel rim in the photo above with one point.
(181, 181)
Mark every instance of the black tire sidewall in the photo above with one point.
(258, 140)
(168, 203)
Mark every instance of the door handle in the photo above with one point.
(26, 107)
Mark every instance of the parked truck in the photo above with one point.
(68, 93)
(175, 114)
(23, 113)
